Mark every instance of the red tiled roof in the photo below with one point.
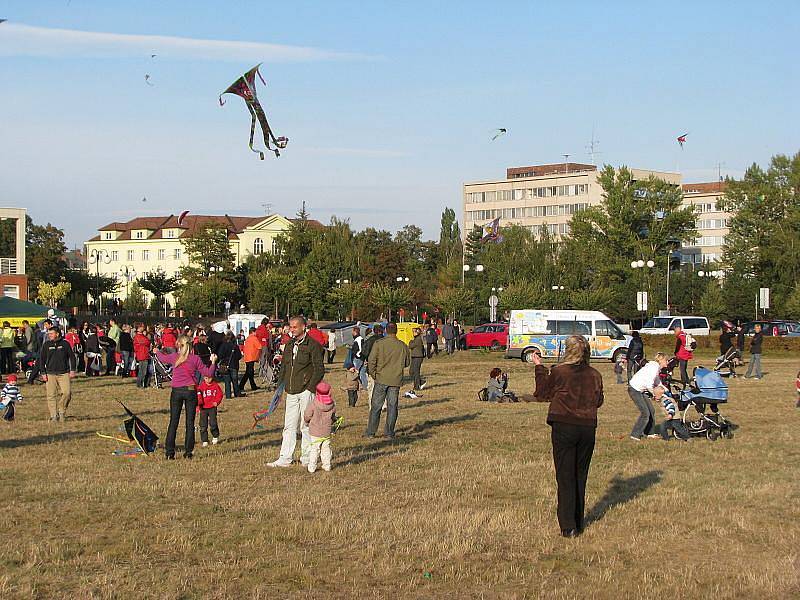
(703, 188)
(191, 223)
(554, 169)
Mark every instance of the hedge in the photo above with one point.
(708, 345)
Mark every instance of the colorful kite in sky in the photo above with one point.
(682, 139)
(182, 217)
(245, 88)
(491, 232)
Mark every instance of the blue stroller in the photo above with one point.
(706, 388)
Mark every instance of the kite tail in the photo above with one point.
(221, 101)
(265, 129)
(253, 130)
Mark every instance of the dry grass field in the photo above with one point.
(459, 505)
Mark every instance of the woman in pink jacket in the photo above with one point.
(185, 367)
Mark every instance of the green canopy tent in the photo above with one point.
(15, 311)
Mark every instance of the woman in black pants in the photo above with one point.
(575, 392)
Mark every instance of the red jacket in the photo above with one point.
(141, 346)
(681, 351)
(318, 335)
(169, 338)
(72, 338)
(262, 333)
(209, 395)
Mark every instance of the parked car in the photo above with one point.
(666, 325)
(780, 328)
(545, 332)
(488, 335)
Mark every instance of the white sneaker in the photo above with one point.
(215, 441)
(312, 468)
(422, 385)
(410, 394)
(635, 439)
(326, 469)
(279, 463)
(205, 444)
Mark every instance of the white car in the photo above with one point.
(666, 325)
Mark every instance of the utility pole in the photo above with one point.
(592, 147)
(566, 163)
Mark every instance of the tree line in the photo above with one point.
(336, 272)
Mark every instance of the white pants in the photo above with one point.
(319, 449)
(295, 407)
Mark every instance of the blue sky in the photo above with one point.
(389, 106)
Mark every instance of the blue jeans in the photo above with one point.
(380, 393)
(646, 422)
(755, 363)
(231, 381)
(361, 365)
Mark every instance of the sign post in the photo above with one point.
(641, 304)
(763, 299)
(493, 302)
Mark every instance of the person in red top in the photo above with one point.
(263, 332)
(141, 353)
(168, 337)
(682, 353)
(72, 338)
(318, 335)
(209, 397)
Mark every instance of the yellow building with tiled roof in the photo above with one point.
(149, 244)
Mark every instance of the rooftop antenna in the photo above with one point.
(592, 147)
(267, 208)
(719, 171)
(566, 163)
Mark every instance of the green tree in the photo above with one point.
(390, 298)
(210, 275)
(158, 283)
(44, 253)
(712, 303)
(52, 294)
(348, 297)
(523, 295)
(137, 300)
(268, 291)
(792, 304)
(453, 301)
(763, 243)
(599, 298)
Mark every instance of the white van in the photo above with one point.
(544, 331)
(238, 323)
(666, 325)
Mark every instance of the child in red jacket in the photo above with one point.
(209, 397)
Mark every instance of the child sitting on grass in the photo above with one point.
(320, 415)
(209, 397)
(351, 385)
(9, 396)
(671, 424)
(496, 386)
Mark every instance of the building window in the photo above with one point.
(139, 235)
(12, 291)
(177, 274)
(130, 255)
(107, 235)
(170, 233)
(162, 254)
(275, 248)
(177, 253)
(145, 255)
(114, 256)
(258, 246)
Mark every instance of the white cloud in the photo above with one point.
(25, 40)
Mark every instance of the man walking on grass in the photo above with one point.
(387, 360)
(755, 353)
(57, 363)
(303, 368)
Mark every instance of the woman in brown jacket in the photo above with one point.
(575, 392)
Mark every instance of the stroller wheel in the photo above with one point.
(712, 435)
(727, 434)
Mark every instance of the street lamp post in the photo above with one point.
(641, 264)
(401, 279)
(493, 308)
(466, 269)
(215, 270)
(128, 273)
(339, 282)
(96, 256)
(556, 289)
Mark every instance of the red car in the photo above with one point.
(488, 335)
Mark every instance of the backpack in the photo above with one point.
(691, 343)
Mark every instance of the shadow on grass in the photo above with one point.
(620, 492)
(405, 437)
(37, 440)
(425, 403)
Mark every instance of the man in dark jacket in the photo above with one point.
(303, 368)
(755, 353)
(449, 335)
(432, 340)
(635, 354)
(417, 349)
(229, 355)
(57, 363)
(387, 360)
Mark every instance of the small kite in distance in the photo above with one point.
(182, 217)
(147, 80)
(682, 139)
(144, 199)
(153, 55)
(500, 131)
(491, 232)
(245, 88)
(3, 20)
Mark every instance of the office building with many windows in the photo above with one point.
(712, 223)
